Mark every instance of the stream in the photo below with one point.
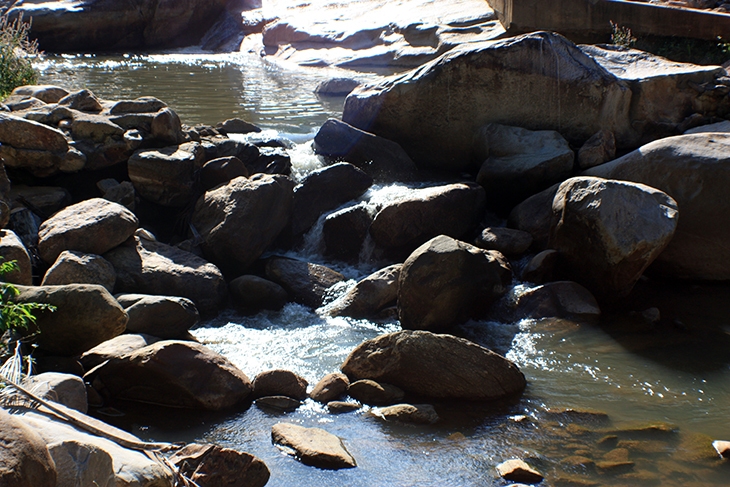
(673, 376)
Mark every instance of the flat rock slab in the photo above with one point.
(516, 470)
(312, 446)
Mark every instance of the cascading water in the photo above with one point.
(660, 374)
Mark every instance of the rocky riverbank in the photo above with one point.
(134, 225)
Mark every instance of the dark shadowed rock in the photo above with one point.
(437, 366)
(534, 216)
(336, 87)
(175, 374)
(600, 148)
(93, 226)
(160, 316)
(326, 189)
(450, 210)
(409, 413)
(370, 295)
(607, 232)
(221, 170)
(148, 267)
(541, 268)
(306, 282)
(237, 126)
(85, 316)
(312, 446)
(508, 241)
(254, 293)
(561, 299)
(239, 220)
(446, 281)
(280, 382)
(381, 158)
(344, 232)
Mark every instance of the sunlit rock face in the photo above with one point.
(92, 25)
(372, 33)
(538, 81)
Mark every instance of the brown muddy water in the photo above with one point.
(663, 389)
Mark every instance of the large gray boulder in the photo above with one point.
(93, 226)
(381, 158)
(694, 170)
(518, 162)
(104, 25)
(539, 81)
(664, 92)
(452, 210)
(435, 366)
(149, 267)
(607, 232)
(174, 374)
(239, 220)
(445, 282)
(324, 190)
(85, 316)
(24, 457)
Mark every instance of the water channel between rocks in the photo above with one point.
(676, 372)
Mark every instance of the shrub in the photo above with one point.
(15, 49)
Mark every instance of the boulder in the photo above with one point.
(174, 374)
(219, 146)
(600, 148)
(32, 146)
(368, 391)
(341, 407)
(409, 413)
(541, 268)
(280, 382)
(306, 282)
(72, 267)
(607, 232)
(45, 93)
(534, 216)
(93, 226)
(382, 159)
(221, 170)
(143, 104)
(436, 366)
(516, 470)
(160, 316)
(107, 25)
(664, 92)
(12, 249)
(695, 171)
(213, 466)
(122, 193)
(239, 220)
(330, 387)
(94, 128)
(324, 190)
(167, 176)
(82, 458)
(336, 87)
(237, 126)
(24, 458)
(560, 299)
(518, 163)
(434, 112)
(450, 210)
(344, 232)
(84, 101)
(148, 267)
(280, 403)
(66, 389)
(445, 282)
(47, 199)
(85, 316)
(370, 295)
(115, 347)
(256, 293)
(312, 446)
(166, 127)
(508, 241)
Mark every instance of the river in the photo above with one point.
(676, 373)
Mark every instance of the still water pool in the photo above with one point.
(665, 387)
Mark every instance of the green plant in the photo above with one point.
(15, 49)
(621, 36)
(16, 316)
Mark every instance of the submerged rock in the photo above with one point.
(312, 446)
(437, 366)
(409, 413)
